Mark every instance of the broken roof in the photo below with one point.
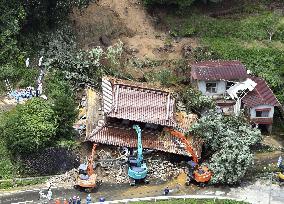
(261, 95)
(136, 102)
(218, 70)
(126, 137)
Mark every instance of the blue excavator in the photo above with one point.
(137, 170)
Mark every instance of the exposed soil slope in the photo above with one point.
(128, 21)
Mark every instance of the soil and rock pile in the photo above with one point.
(111, 167)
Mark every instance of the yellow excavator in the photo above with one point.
(199, 174)
(87, 179)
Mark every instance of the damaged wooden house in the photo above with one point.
(125, 103)
(233, 88)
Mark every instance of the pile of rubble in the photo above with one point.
(114, 169)
(163, 170)
(67, 179)
(111, 167)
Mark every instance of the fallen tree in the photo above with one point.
(228, 139)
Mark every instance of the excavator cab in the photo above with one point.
(87, 179)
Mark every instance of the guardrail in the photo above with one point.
(160, 198)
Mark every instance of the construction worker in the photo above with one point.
(88, 199)
(166, 191)
(78, 200)
(74, 199)
(49, 194)
(102, 199)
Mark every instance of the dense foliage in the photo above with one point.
(229, 163)
(6, 166)
(42, 14)
(20, 22)
(194, 101)
(29, 127)
(80, 66)
(62, 98)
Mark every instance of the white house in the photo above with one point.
(214, 78)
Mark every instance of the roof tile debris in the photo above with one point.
(218, 70)
(126, 137)
(261, 95)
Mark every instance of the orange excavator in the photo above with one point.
(87, 179)
(200, 174)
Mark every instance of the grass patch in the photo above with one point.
(8, 184)
(194, 201)
(7, 169)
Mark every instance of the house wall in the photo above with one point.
(221, 87)
(253, 112)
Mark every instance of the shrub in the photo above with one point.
(29, 127)
(194, 101)
(164, 77)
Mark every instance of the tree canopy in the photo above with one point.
(63, 102)
(228, 139)
(29, 127)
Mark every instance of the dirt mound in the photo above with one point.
(128, 21)
(95, 23)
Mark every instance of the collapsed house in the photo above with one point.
(230, 85)
(125, 103)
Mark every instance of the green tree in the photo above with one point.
(273, 24)
(11, 16)
(194, 101)
(229, 140)
(29, 127)
(61, 96)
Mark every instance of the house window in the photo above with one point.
(211, 87)
(229, 84)
(262, 114)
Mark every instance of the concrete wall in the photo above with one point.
(221, 87)
(253, 112)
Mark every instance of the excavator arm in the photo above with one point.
(90, 168)
(200, 174)
(139, 145)
(183, 139)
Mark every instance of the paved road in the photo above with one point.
(256, 193)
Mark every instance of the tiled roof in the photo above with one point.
(137, 103)
(126, 137)
(217, 70)
(261, 95)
